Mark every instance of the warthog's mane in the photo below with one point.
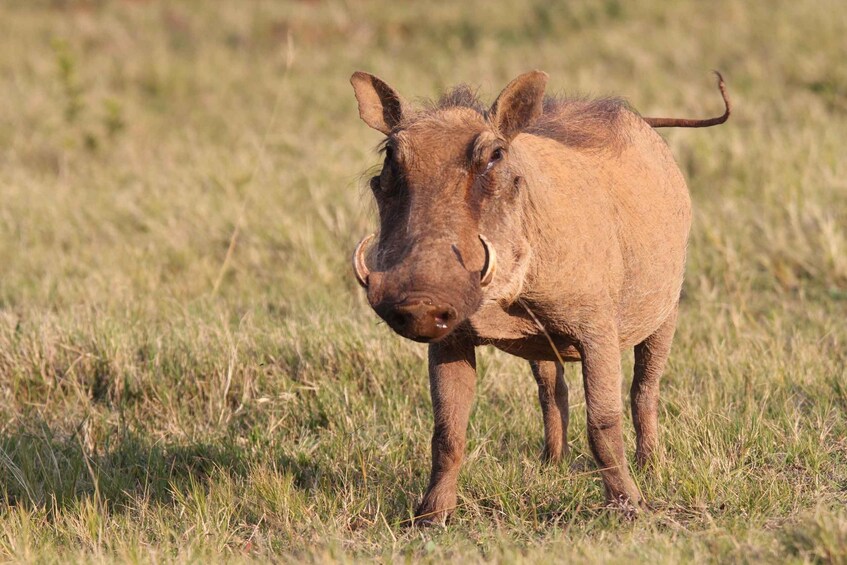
(578, 122)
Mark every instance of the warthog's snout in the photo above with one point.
(425, 304)
(420, 318)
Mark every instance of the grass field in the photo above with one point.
(189, 373)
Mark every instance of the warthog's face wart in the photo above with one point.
(450, 206)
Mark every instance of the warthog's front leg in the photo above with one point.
(553, 396)
(601, 373)
(452, 380)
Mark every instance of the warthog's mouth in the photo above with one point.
(418, 316)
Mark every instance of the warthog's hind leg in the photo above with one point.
(553, 396)
(650, 358)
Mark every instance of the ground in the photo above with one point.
(189, 372)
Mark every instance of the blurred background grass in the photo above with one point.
(188, 371)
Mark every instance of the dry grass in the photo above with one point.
(169, 392)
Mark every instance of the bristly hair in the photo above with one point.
(580, 123)
(461, 96)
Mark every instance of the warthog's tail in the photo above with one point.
(687, 123)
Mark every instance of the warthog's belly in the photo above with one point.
(536, 348)
(515, 332)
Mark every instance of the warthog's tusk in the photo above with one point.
(487, 274)
(359, 267)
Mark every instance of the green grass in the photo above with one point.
(163, 400)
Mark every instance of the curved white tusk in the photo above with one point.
(360, 269)
(487, 274)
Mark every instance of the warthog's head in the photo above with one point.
(449, 200)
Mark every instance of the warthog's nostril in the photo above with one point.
(442, 318)
(398, 320)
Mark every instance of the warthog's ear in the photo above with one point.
(519, 104)
(380, 106)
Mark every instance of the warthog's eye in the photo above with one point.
(495, 157)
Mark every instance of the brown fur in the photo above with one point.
(575, 122)
(589, 217)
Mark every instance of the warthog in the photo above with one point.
(552, 229)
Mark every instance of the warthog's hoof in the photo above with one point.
(629, 508)
(435, 508)
(554, 457)
(426, 519)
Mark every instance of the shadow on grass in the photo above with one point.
(41, 468)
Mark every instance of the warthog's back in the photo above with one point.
(608, 226)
